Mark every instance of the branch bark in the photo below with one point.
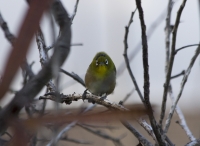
(154, 125)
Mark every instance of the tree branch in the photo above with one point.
(21, 45)
(156, 129)
(103, 135)
(171, 62)
(140, 137)
(126, 56)
(30, 90)
(184, 80)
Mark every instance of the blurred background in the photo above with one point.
(100, 26)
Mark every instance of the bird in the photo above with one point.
(100, 78)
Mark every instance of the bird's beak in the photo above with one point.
(101, 63)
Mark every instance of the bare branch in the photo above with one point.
(167, 50)
(193, 143)
(171, 62)
(154, 125)
(30, 90)
(68, 127)
(21, 45)
(90, 97)
(98, 126)
(178, 75)
(187, 46)
(10, 37)
(148, 128)
(103, 135)
(184, 80)
(126, 57)
(75, 10)
(74, 76)
(183, 124)
(76, 140)
(44, 56)
(127, 96)
(137, 48)
(140, 137)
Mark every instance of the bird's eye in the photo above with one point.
(97, 63)
(106, 62)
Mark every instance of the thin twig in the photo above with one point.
(171, 62)
(184, 80)
(137, 48)
(185, 47)
(73, 45)
(126, 56)
(64, 130)
(75, 10)
(167, 45)
(67, 139)
(146, 86)
(140, 137)
(77, 44)
(44, 56)
(10, 37)
(76, 141)
(103, 135)
(183, 124)
(178, 75)
(67, 128)
(26, 68)
(170, 90)
(98, 126)
(178, 111)
(74, 76)
(127, 96)
(148, 128)
(193, 143)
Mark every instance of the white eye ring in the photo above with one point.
(106, 62)
(97, 63)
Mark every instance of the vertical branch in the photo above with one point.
(171, 61)
(170, 89)
(184, 80)
(126, 57)
(146, 76)
(44, 56)
(137, 48)
(167, 52)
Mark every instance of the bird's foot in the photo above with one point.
(103, 97)
(84, 94)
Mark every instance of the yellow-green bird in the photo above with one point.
(100, 78)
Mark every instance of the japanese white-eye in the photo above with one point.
(100, 78)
